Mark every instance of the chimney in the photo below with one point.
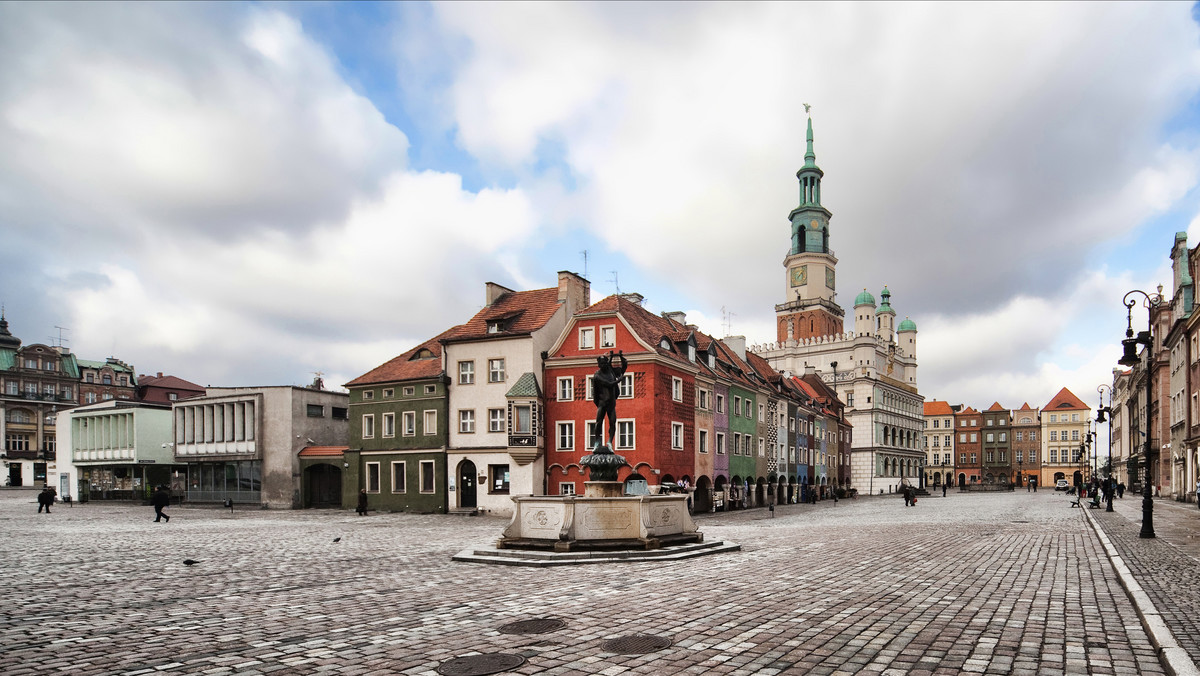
(495, 291)
(810, 370)
(574, 291)
(635, 298)
(677, 317)
(737, 344)
(160, 374)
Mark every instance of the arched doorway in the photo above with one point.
(962, 480)
(719, 497)
(760, 492)
(702, 497)
(466, 485)
(323, 485)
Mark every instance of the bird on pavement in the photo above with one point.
(337, 539)
(190, 562)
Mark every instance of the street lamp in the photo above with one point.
(1105, 413)
(837, 444)
(1130, 358)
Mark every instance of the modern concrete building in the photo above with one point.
(116, 450)
(244, 443)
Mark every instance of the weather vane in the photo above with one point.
(806, 108)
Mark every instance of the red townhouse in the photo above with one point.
(656, 416)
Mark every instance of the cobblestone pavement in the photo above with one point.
(986, 583)
(1168, 566)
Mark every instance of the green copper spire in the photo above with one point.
(810, 158)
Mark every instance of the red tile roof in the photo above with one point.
(407, 366)
(1025, 407)
(996, 407)
(648, 327)
(936, 407)
(523, 311)
(968, 411)
(1065, 400)
(323, 451)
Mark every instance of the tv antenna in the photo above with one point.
(615, 282)
(60, 341)
(727, 320)
(584, 253)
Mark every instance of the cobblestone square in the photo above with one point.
(1006, 583)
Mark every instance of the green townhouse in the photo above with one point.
(743, 425)
(398, 433)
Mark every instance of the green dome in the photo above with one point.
(886, 306)
(907, 325)
(864, 298)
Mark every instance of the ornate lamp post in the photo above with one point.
(837, 445)
(1105, 413)
(1130, 358)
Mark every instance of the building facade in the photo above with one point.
(1066, 421)
(116, 450)
(1026, 446)
(939, 443)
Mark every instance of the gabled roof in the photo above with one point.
(1065, 400)
(996, 408)
(647, 326)
(936, 407)
(407, 366)
(168, 382)
(520, 312)
(1025, 407)
(968, 411)
(525, 387)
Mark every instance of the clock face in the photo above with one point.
(799, 275)
(829, 277)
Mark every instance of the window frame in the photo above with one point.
(421, 488)
(466, 421)
(466, 372)
(368, 421)
(564, 430)
(389, 425)
(611, 331)
(566, 388)
(497, 375)
(677, 436)
(425, 426)
(631, 443)
(590, 342)
(408, 424)
(403, 483)
(372, 470)
(493, 420)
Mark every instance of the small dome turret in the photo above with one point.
(864, 298)
(907, 325)
(886, 307)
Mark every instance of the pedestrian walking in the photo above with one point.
(1121, 490)
(161, 499)
(362, 502)
(944, 489)
(1198, 493)
(45, 499)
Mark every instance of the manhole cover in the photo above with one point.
(480, 665)
(635, 644)
(538, 626)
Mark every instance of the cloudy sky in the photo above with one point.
(246, 194)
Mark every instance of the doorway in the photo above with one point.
(466, 485)
(14, 474)
(323, 486)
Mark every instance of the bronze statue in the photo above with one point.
(606, 387)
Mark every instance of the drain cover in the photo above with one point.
(538, 626)
(480, 665)
(635, 644)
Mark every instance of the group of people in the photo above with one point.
(910, 495)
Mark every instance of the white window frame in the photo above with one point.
(389, 393)
(427, 416)
(368, 426)
(496, 420)
(389, 425)
(676, 388)
(720, 443)
(762, 414)
(566, 388)
(702, 441)
(372, 466)
(403, 487)
(677, 436)
(368, 395)
(762, 448)
(564, 438)
(466, 421)
(587, 338)
(626, 386)
(566, 488)
(408, 391)
(408, 421)
(720, 403)
(608, 336)
(626, 442)
(497, 375)
(421, 478)
(466, 372)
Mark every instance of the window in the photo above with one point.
(626, 391)
(495, 420)
(962, 437)
(316, 411)
(466, 421)
(91, 378)
(368, 426)
(749, 408)
(1053, 435)
(590, 431)
(737, 405)
(946, 461)
(677, 435)
(1053, 418)
(466, 373)
(991, 438)
(399, 476)
(1054, 455)
(1033, 456)
(936, 439)
(625, 434)
(409, 391)
(426, 476)
(608, 336)
(495, 370)
(122, 381)
(389, 425)
(566, 436)
(677, 389)
(389, 394)
(410, 423)
(935, 424)
(368, 395)
(702, 399)
(566, 488)
(587, 340)
(720, 443)
(962, 458)
(430, 389)
(850, 400)
(1004, 436)
(947, 444)
(566, 389)
(1074, 435)
(720, 403)
(974, 437)
(973, 422)
(1074, 417)
(974, 458)
(1020, 436)
(1020, 456)
(524, 416)
(337, 412)
(430, 423)
(702, 441)
(372, 477)
(990, 422)
(497, 478)
(762, 449)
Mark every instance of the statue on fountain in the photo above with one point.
(606, 387)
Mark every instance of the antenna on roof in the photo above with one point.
(616, 284)
(727, 320)
(59, 341)
(584, 253)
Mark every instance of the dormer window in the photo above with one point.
(691, 352)
(665, 343)
(423, 353)
(495, 327)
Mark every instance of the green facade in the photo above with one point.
(415, 412)
(745, 464)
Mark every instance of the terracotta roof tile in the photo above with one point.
(936, 407)
(649, 327)
(526, 312)
(323, 451)
(406, 366)
(1065, 400)
(996, 407)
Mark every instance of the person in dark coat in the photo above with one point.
(45, 499)
(362, 502)
(160, 499)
